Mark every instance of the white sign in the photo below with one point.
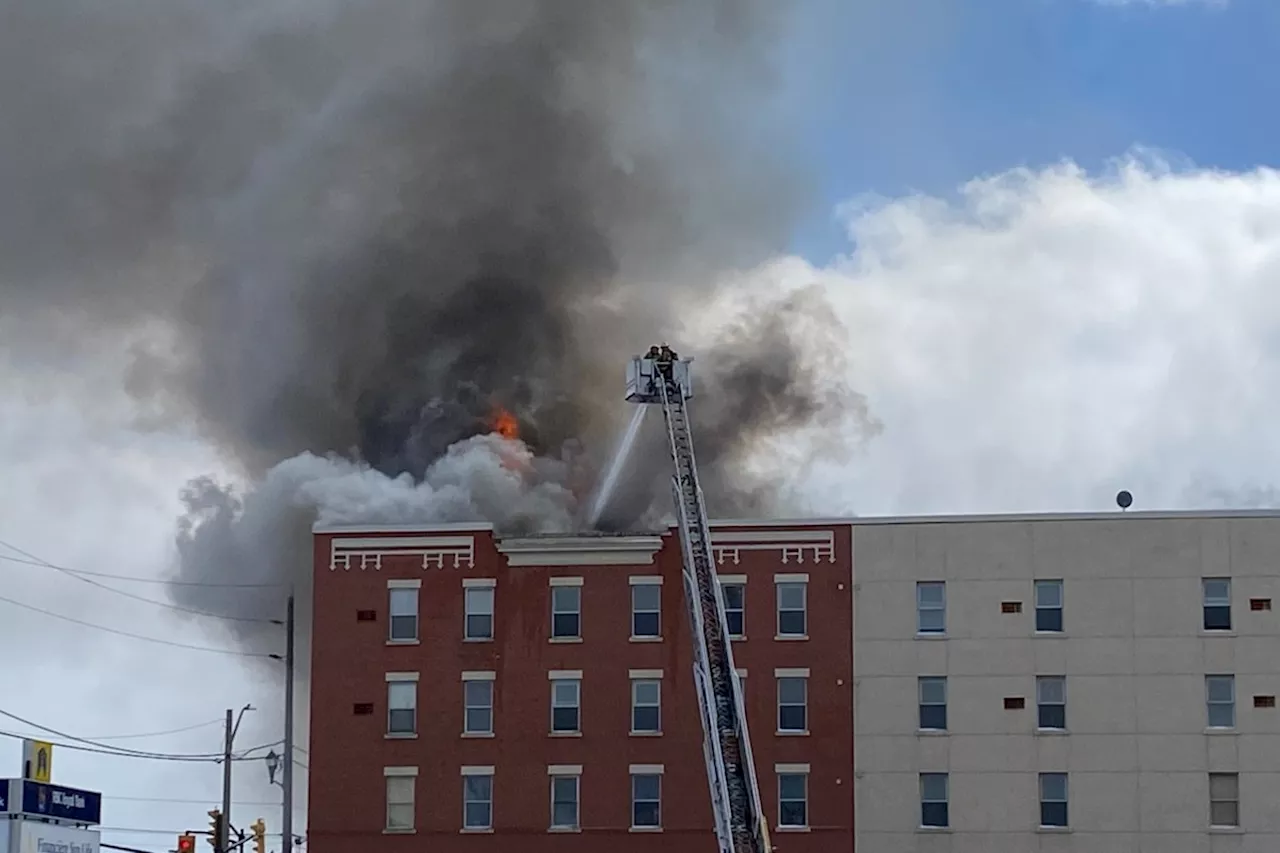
(36, 837)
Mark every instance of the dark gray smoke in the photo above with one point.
(364, 227)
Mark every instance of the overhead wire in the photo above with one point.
(189, 646)
(33, 559)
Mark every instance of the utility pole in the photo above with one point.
(287, 780)
(225, 818)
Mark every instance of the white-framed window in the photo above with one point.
(734, 590)
(402, 603)
(477, 620)
(477, 702)
(1051, 702)
(1224, 799)
(792, 592)
(1053, 799)
(400, 784)
(931, 607)
(1217, 603)
(646, 701)
(477, 798)
(793, 795)
(793, 700)
(646, 607)
(566, 702)
(1220, 699)
(646, 796)
(1049, 607)
(402, 703)
(566, 785)
(566, 608)
(935, 809)
(933, 702)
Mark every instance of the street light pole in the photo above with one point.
(225, 818)
(287, 779)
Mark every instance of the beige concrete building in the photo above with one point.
(1076, 683)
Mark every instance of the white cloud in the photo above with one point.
(1048, 337)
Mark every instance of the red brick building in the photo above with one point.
(477, 693)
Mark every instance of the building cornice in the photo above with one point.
(580, 550)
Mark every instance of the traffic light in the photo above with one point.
(259, 836)
(215, 831)
(186, 843)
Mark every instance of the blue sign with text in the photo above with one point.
(55, 801)
(4, 795)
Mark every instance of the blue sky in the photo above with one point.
(925, 94)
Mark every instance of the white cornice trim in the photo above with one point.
(581, 550)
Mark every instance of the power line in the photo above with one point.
(137, 579)
(32, 559)
(81, 748)
(120, 750)
(182, 802)
(118, 632)
(190, 728)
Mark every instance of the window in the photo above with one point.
(404, 613)
(566, 612)
(400, 785)
(792, 701)
(1220, 696)
(565, 697)
(564, 800)
(646, 609)
(1049, 607)
(735, 602)
(646, 798)
(792, 618)
(478, 615)
(646, 705)
(477, 698)
(1053, 799)
(402, 705)
(931, 607)
(477, 798)
(793, 799)
(1217, 604)
(933, 800)
(933, 703)
(1224, 799)
(1051, 702)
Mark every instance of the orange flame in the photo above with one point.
(505, 424)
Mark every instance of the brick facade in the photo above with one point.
(351, 752)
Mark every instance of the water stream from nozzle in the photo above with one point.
(610, 481)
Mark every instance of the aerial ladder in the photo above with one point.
(662, 378)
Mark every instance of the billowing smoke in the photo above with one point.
(364, 229)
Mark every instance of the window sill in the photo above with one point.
(1050, 830)
(399, 832)
(1221, 730)
(1226, 830)
(1061, 635)
(646, 639)
(932, 732)
(794, 638)
(1214, 632)
(643, 829)
(477, 639)
(474, 735)
(400, 736)
(561, 830)
(791, 733)
(404, 642)
(467, 831)
(564, 640)
(646, 734)
(933, 830)
(791, 829)
(564, 734)
(1052, 732)
(931, 635)
(737, 638)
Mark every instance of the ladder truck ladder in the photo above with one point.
(662, 378)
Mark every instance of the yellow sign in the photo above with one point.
(37, 760)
